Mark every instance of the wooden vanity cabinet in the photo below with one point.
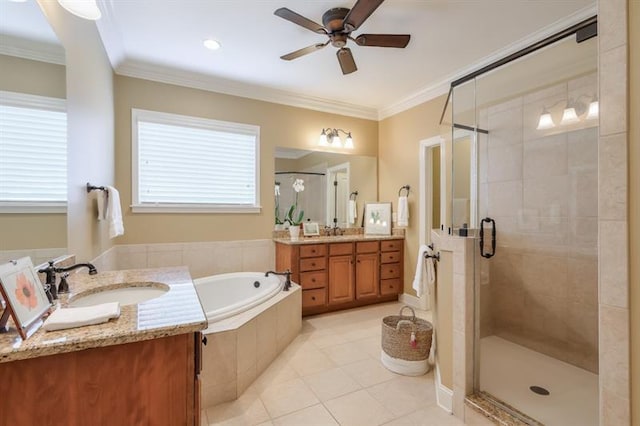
(341, 275)
(151, 382)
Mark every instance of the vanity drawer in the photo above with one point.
(390, 286)
(390, 245)
(313, 250)
(367, 247)
(311, 298)
(313, 264)
(340, 249)
(309, 280)
(390, 270)
(390, 257)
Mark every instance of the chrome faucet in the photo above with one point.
(50, 281)
(287, 274)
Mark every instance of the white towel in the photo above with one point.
(418, 283)
(353, 212)
(114, 213)
(101, 199)
(63, 318)
(403, 211)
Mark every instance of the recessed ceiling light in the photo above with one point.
(212, 44)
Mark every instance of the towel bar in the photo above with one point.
(433, 256)
(353, 195)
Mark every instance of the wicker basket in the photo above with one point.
(397, 331)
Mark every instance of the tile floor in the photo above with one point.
(331, 375)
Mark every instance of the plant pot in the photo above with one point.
(294, 232)
(280, 227)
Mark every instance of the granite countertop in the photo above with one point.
(337, 239)
(178, 311)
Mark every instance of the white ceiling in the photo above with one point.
(162, 40)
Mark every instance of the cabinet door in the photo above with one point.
(340, 279)
(366, 275)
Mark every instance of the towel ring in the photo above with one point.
(95, 188)
(353, 195)
(407, 187)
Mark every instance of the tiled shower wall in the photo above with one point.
(541, 187)
(202, 258)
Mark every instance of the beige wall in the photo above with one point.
(634, 204)
(90, 144)
(280, 125)
(398, 165)
(44, 230)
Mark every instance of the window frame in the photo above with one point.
(49, 103)
(138, 115)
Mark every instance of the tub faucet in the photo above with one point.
(50, 281)
(287, 274)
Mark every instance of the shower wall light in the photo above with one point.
(331, 137)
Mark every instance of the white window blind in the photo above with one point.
(192, 164)
(33, 153)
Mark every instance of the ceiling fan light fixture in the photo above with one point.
(212, 44)
(85, 9)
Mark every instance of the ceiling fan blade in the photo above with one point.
(303, 51)
(298, 19)
(359, 13)
(347, 63)
(383, 40)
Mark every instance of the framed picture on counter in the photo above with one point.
(23, 293)
(377, 219)
(310, 229)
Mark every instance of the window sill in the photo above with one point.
(35, 208)
(194, 208)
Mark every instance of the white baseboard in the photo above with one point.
(444, 395)
(415, 302)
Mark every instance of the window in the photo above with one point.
(189, 164)
(33, 154)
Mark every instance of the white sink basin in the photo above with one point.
(129, 294)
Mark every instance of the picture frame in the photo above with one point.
(377, 219)
(26, 300)
(310, 229)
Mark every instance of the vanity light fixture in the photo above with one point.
(212, 44)
(85, 9)
(569, 115)
(331, 137)
(594, 110)
(545, 122)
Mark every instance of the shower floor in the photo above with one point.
(507, 370)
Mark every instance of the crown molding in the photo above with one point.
(33, 50)
(216, 84)
(433, 91)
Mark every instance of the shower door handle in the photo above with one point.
(493, 237)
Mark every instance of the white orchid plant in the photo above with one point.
(277, 211)
(295, 219)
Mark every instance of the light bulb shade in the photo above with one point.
(323, 139)
(348, 143)
(86, 9)
(545, 122)
(594, 110)
(335, 141)
(569, 116)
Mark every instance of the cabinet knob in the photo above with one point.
(313, 251)
(313, 280)
(358, 260)
(313, 298)
(313, 264)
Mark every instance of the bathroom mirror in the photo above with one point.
(330, 180)
(32, 62)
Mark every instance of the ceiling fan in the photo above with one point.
(338, 24)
